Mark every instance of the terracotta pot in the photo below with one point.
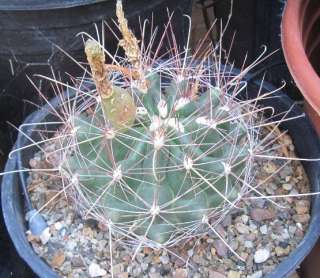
(301, 45)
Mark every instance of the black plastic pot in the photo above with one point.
(30, 29)
(254, 24)
(305, 140)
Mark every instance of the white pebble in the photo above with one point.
(248, 244)
(45, 236)
(58, 226)
(294, 192)
(285, 234)
(264, 229)
(287, 186)
(292, 230)
(257, 274)
(261, 255)
(245, 219)
(190, 252)
(96, 271)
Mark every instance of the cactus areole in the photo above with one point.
(155, 162)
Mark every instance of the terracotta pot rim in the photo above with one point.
(305, 76)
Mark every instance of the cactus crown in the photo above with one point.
(157, 151)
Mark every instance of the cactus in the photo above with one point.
(155, 153)
(157, 161)
(176, 164)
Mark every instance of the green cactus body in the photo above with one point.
(176, 163)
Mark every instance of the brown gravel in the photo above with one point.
(260, 232)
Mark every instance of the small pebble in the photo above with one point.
(137, 271)
(58, 259)
(270, 167)
(144, 266)
(299, 233)
(118, 268)
(58, 226)
(294, 192)
(45, 236)
(259, 214)
(221, 248)
(287, 186)
(261, 255)
(257, 274)
(292, 229)
(180, 273)
(215, 274)
(280, 252)
(33, 163)
(301, 218)
(66, 267)
(260, 203)
(242, 228)
(234, 274)
(244, 255)
(245, 219)
(63, 231)
(87, 231)
(264, 229)
(270, 190)
(96, 271)
(302, 206)
(234, 244)
(71, 245)
(252, 226)
(248, 244)
(227, 221)
(156, 260)
(164, 259)
(210, 240)
(190, 252)
(285, 234)
(123, 275)
(77, 261)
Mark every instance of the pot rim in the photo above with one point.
(306, 78)
(38, 5)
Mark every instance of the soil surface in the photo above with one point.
(262, 232)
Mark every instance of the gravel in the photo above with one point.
(262, 233)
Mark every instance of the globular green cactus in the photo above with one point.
(162, 174)
(158, 155)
